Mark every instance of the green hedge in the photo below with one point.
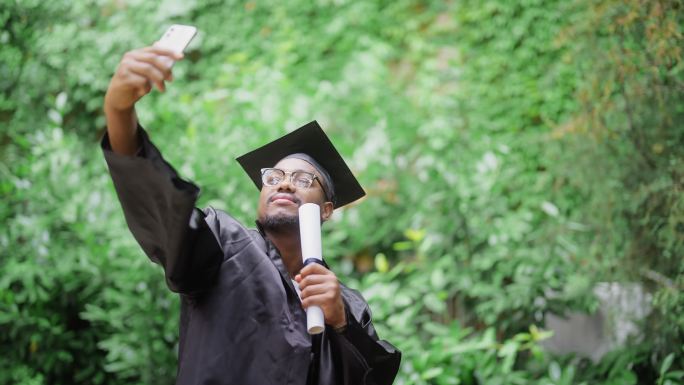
(515, 153)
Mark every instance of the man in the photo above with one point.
(242, 321)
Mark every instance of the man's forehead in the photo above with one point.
(295, 164)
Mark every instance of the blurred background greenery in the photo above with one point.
(515, 155)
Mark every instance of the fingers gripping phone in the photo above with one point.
(176, 38)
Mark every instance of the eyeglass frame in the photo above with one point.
(291, 173)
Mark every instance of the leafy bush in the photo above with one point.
(514, 154)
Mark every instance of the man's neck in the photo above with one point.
(289, 245)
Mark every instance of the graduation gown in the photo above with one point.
(241, 320)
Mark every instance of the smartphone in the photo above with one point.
(177, 38)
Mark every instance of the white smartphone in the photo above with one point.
(177, 38)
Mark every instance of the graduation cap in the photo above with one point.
(312, 141)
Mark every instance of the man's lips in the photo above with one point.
(283, 197)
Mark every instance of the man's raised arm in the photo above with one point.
(158, 205)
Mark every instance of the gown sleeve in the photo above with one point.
(364, 358)
(159, 208)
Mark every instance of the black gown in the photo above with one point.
(241, 320)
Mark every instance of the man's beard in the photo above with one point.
(279, 223)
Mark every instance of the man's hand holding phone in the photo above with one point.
(138, 71)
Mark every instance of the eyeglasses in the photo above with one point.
(299, 179)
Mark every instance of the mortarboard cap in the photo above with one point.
(311, 140)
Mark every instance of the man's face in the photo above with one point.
(280, 203)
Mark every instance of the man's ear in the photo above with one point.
(326, 211)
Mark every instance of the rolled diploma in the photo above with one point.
(310, 235)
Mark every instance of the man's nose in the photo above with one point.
(286, 184)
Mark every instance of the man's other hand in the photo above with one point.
(320, 287)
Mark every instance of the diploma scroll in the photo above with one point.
(310, 235)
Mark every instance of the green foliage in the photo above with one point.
(515, 153)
